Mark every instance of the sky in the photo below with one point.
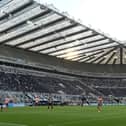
(108, 16)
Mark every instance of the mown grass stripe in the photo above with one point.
(11, 124)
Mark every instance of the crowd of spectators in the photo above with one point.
(107, 86)
(24, 80)
(19, 81)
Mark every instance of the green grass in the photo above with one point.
(64, 116)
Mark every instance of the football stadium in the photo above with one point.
(56, 71)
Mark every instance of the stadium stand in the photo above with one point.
(18, 79)
(21, 80)
(108, 86)
(43, 51)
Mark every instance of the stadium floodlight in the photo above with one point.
(115, 51)
(30, 23)
(4, 12)
(105, 56)
(42, 7)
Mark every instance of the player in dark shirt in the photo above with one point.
(84, 100)
(1, 104)
(50, 102)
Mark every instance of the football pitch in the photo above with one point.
(64, 116)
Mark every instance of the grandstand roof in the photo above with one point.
(32, 26)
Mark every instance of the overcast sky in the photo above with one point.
(107, 15)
